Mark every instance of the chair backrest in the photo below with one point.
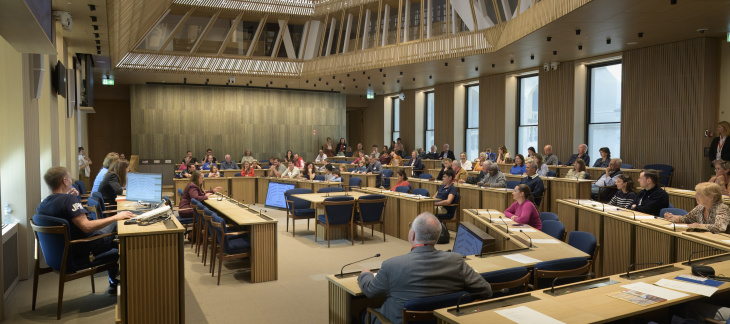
(100, 199)
(351, 169)
(421, 191)
(237, 174)
(205, 175)
(587, 176)
(319, 177)
(208, 215)
(297, 203)
(425, 176)
(627, 166)
(339, 210)
(553, 228)
(675, 211)
(220, 228)
(421, 309)
(371, 207)
(551, 173)
(167, 201)
(548, 216)
(403, 189)
(196, 211)
(95, 209)
(508, 278)
(665, 173)
(81, 187)
(330, 189)
(583, 241)
(560, 268)
(179, 193)
(511, 184)
(53, 235)
(387, 173)
(355, 182)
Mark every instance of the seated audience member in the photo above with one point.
(276, 169)
(582, 154)
(374, 167)
(336, 176)
(385, 156)
(114, 181)
(329, 168)
(578, 171)
(530, 152)
(64, 203)
(502, 154)
(361, 167)
(183, 166)
(324, 166)
(192, 159)
(189, 171)
(329, 148)
(465, 163)
(193, 191)
(247, 170)
(607, 179)
(108, 161)
(348, 152)
(460, 175)
(214, 172)
(479, 161)
(421, 153)
(652, 199)
(360, 156)
(542, 168)
(343, 168)
(255, 165)
(625, 195)
(395, 159)
(400, 148)
(550, 158)
(341, 147)
(523, 210)
(483, 170)
(605, 158)
(298, 161)
(208, 162)
(424, 271)
(292, 172)
(288, 157)
(402, 180)
(122, 156)
(359, 147)
(532, 180)
(721, 177)
(447, 153)
(210, 152)
(271, 161)
(247, 157)
(519, 166)
(416, 163)
(308, 172)
(446, 193)
(432, 155)
(494, 177)
(374, 154)
(228, 164)
(710, 214)
(321, 157)
(490, 155)
(445, 165)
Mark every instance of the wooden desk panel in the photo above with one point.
(568, 215)
(243, 189)
(260, 172)
(224, 183)
(497, 198)
(618, 245)
(568, 189)
(409, 209)
(230, 173)
(592, 223)
(433, 172)
(653, 246)
(431, 164)
(470, 196)
(262, 187)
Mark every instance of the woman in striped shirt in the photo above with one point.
(625, 195)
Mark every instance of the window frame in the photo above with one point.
(589, 108)
(392, 118)
(425, 120)
(518, 119)
(466, 121)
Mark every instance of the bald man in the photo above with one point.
(550, 158)
(582, 154)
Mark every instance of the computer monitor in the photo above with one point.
(470, 240)
(275, 194)
(146, 187)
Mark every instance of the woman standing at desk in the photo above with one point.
(114, 181)
(193, 191)
(523, 210)
(247, 170)
(329, 149)
(711, 213)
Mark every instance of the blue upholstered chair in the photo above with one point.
(81, 187)
(227, 245)
(297, 208)
(403, 189)
(354, 182)
(187, 223)
(370, 212)
(453, 215)
(675, 211)
(587, 176)
(93, 208)
(350, 169)
(511, 184)
(179, 194)
(338, 211)
(208, 233)
(544, 271)
(330, 189)
(425, 176)
(517, 280)
(319, 177)
(387, 173)
(627, 166)
(585, 242)
(52, 235)
(665, 173)
(548, 216)
(197, 224)
(553, 228)
(421, 192)
(420, 310)
(551, 173)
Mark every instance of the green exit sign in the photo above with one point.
(109, 82)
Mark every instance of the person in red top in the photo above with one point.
(247, 170)
(523, 210)
(402, 180)
(193, 191)
(298, 161)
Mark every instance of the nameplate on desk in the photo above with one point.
(168, 161)
(156, 161)
(144, 161)
(582, 286)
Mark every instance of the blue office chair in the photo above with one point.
(421, 309)
(675, 211)
(421, 192)
(551, 173)
(227, 245)
(350, 169)
(297, 208)
(403, 189)
(452, 215)
(237, 174)
(585, 242)
(52, 235)
(670, 205)
(587, 176)
(548, 216)
(370, 212)
(338, 211)
(627, 166)
(354, 182)
(665, 173)
(187, 223)
(425, 176)
(511, 184)
(330, 189)
(208, 233)
(387, 173)
(553, 228)
(81, 187)
(97, 203)
(93, 208)
(197, 224)
(544, 271)
(319, 177)
(517, 280)
(179, 193)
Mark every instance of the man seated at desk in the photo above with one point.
(433, 155)
(64, 203)
(532, 180)
(607, 179)
(423, 272)
(374, 167)
(277, 169)
(459, 172)
(228, 164)
(292, 172)
(494, 178)
(582, 154)
(652, 199)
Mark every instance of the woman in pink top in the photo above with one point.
(523, 210)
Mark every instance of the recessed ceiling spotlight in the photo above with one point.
(555, 52)
(532, 56)
(641, 35)
(608, 40)
(549, 38)
(577, 31)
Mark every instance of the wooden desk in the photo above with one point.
(317, 199)
(433, 172)
(243, 189)
(596, 173)
(264, 246)
(224, 183)
(685, 199)
(260, 172)
(561, 188)
(431, 164)
(401, 209)
(230, 173)
(408, 169)
(505, 167)
(152, 272)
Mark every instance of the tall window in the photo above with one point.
(472, 122)
(395, 118)
(527, 118)
(429, 121)
(604, 108)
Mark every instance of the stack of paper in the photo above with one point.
(687, 287)
(526, 315)
(521, 258)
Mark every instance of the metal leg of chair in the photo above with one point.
(315, 230)
(93, 288)
(362, 231)
(293, 226)
(328, 236)
(212, 257)
(307, 223)
(287, 222)
(35, 283)
(220, 266)
(60, 296)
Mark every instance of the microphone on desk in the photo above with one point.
(628, 270)
(505, 223)
(528, 236)
(552, 288)
(627, 210)
(578, 200)
(343, 267)
(507, 238)
(689, 261)
(458, 302)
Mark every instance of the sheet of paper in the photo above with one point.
(726, 241)
(682, 190)
(687, 287)
(526, 315)
(521, 258)
(678, 225)
(643, 217)
(545, 241)
(497, 220)
(524, 229)
(660, 292)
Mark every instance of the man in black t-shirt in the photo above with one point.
(64, 203)
(447, 193)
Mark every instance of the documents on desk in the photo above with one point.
(521, 258)
(526, 315)
(687, 287)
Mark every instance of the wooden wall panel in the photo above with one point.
(491, 111)
(355, 128)
(444, 115)
(169, 120)
(555, 120)
(110, 109)
(408, 121)
(668, 97)
(373, 127)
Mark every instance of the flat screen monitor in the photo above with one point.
(467, 242)
(146, 187)
(275, 194)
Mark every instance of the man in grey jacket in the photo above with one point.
(423, 272)
(374, 167)
(494, 179)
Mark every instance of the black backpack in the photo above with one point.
(444, 237)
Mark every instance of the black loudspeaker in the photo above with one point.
(38, 66)
(702, 271)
